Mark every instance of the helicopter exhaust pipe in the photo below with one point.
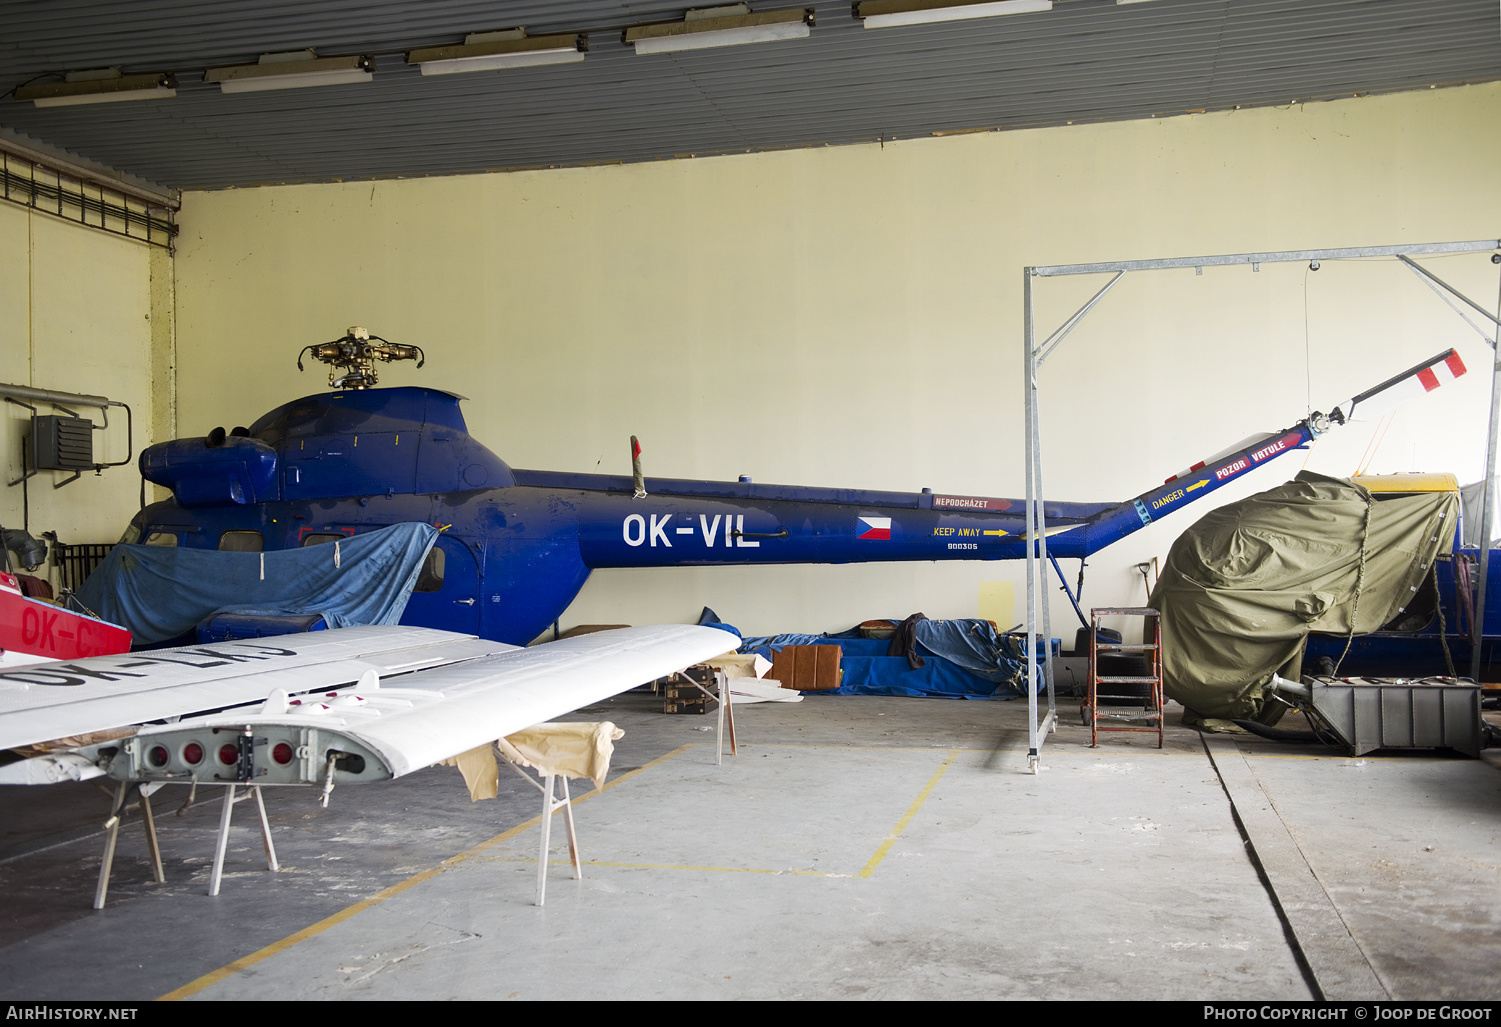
(636, 479)
(1293, 688)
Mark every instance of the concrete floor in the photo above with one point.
(855, 848)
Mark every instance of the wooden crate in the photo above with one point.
(807, 668)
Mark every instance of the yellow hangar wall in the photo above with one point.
(852, 316)
(76, 309)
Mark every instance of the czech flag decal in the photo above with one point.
(874, 528)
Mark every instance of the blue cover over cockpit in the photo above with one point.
(161, 592)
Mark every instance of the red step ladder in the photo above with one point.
(1148, 715)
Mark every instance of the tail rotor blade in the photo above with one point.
(1410, 384)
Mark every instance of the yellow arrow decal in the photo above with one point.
(1197, 485)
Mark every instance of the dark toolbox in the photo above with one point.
(680, 695)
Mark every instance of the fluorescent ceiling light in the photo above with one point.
(491, 51)
(290, 71)
(720, 26)
(105, 85)
(880, 14)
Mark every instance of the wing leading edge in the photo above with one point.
(380, 729)
(42, 702)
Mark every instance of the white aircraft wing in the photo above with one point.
(42, 702)
(378, 729)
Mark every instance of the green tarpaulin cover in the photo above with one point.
(1246, 584)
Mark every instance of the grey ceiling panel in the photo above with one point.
(1087, 60)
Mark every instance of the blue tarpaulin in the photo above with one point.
(160, 592)
(965, 659)
(976, 646)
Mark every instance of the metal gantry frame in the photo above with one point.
(1035, 353)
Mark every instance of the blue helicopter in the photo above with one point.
(518, 545)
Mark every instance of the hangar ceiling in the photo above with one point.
(1083, 61)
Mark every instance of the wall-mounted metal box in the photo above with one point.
(62, 443)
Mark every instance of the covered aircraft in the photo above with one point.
(517, 545)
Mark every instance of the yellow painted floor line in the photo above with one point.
(666, 866)
(716, 870)
(901, 825)
(214, 977)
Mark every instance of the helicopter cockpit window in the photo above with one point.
(431, 578)
(161, 538)
(241, 542)
(319, 537)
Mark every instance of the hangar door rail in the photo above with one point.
(1035, 353)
